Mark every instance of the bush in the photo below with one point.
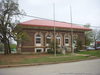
(50, 51)
(79, 45)
(53, 51)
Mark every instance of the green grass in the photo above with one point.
(56, 59)
(92, 53)
(25, 59)
(63, 58)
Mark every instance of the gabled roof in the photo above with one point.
(50, 23)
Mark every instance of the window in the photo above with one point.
(48, 39)
(38, 39)
(66, 41)
(39, 50)
(58, 39)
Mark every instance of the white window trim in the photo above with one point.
(59, 38)
(42, 50)
(64, 41)
(46, 41)
(38, 44)
(49, 38)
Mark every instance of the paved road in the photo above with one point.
(90, 67)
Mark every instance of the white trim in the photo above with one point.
(66, 37)
(42, 50)
(66, 44)
(47, 44)
(41, 38)
(58, 37)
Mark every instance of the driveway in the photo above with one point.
(88, 67)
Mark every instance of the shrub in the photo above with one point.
(79, 45)
(53, 51)
(50, 51)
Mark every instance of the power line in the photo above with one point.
(35, 17)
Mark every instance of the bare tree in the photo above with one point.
(88, 35)
(96, 36)
(9, 11)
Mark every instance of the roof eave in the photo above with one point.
(86, 29)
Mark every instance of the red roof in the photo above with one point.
(50, 23)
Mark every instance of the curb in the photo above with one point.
(34, 64)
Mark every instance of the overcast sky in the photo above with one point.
(83, 11)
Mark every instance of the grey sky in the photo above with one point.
(83, 11)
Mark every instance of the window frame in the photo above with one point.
(50, 38)
(42, 50)
(58, 37)
(66, 44)
(38, 37)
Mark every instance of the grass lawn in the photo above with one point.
(47, 58)
(92, 53)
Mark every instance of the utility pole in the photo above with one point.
(72, 50)
(54, 29)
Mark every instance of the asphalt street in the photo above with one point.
(88, 67)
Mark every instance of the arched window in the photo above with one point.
(48, 39)
(38, 40)
(58, 40)
(66, 40)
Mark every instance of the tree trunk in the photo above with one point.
(95, 42)
(7, 49)
(95, 45)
